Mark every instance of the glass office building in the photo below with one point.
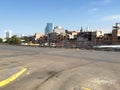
(48, 28)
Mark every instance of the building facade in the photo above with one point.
(8, 34)
(116, 34)
(59, 30)
(48, 28)
(97, 37)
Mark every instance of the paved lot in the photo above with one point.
(61, 69)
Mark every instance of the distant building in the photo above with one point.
(48, 28)
(36, 38)
(116, 34)
(71, 34)
(8, 34)
(59, 30)
(22, 35)
(70, 40)
(97, 37)
(107, 39)
(98, 33)
(84, 39)
(38, 35)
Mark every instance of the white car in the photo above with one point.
(53, 45)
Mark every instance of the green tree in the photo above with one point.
(27, 39)
(1, 40)
(14, 40)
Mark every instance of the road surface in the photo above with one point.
(60, 69)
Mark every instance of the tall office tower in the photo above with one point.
(48, 28)
(8, 34)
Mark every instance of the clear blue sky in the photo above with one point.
(30, 16)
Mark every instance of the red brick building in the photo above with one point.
(116, 34)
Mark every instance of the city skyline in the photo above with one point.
(30, 16)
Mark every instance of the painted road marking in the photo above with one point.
(83, 88)
(12, 78)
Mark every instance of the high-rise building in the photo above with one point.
(8, 34)
(48, 28)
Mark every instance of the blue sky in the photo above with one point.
(30, 16)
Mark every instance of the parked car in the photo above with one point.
(53, 45)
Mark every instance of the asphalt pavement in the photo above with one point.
(59, 69)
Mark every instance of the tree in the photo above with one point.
(27, 39)
(14, 40)
(1, 40)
